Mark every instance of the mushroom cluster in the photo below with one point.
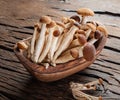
(55, 42)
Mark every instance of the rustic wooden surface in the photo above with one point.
(17, 18)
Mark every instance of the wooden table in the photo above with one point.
(17, 18)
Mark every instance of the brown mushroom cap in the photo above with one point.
(85, 12)
(91, 26)
(45, 19)
(103, 30)
(74, 53)
(51, 24)
(56, 33)
(89, 52)
(22, 45)
(76, 18)
(97, 34)
(82, 39)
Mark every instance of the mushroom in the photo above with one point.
(97, 36)
(89, 51)
(40, 43)
(79, 95)
(92, 28)
(80, 41)
(85, 12)
(99, 81)
(52, 50)
(76, 18)
(68, 37)
(32, 45)
(103, 30)
(22, 45)
(66, 56)
(51, 28)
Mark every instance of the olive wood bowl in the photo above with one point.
(61, 70)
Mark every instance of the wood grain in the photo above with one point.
(16, 23)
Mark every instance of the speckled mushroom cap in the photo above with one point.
(85, 12)
(45, 19)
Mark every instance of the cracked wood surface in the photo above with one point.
(16, 23)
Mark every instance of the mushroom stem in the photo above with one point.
(40, 43)
(99, 81)
(54, 43)
(48, 43)
(77, 94)
(32, 46)
(83, 20)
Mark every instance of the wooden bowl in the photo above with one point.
(61, 70)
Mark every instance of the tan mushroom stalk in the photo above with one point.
(79, 95)
(68, 37)
(99, 81)
(32, 46)
(56, 34)
(92, 28)
(97, 36)
(22, 45)
(51, 28)
(85, 12)
(40, 43)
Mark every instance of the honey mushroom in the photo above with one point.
(84, 12)
(22, 45)
(40, 42)
(76, 18)
(51, 28)
(52, 50)
(67, 38)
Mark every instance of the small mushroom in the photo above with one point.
(68, 37)
(89, 51)
(22, 45)
(56, 34)
(97, 36)
(76, 18)
(51, 28)
(79, 95)
(103, 30)
(85, 12)
(40, 43)
(92, 28)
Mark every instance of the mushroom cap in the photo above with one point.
(74, 53)
(65, 20)
(76, 18)
(89, 52)
(60, 24)
(51, 24)
(97, 34)
(81, 32)
(45, 19)
(37, 26)
(85, 12)
(82, 39)
(56, 33)
(91, 26)
(103, 30)
(22, 45)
